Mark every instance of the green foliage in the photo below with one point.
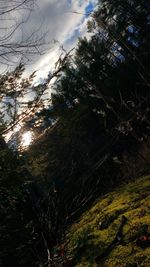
(13, 89)
(109, 72)
(15, 232)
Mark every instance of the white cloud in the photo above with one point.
(56, 18)
(63, 26)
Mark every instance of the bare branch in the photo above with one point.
(12, 49)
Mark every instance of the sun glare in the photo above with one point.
(26, 139)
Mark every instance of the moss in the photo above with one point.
(97, 228)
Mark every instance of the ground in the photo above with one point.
(92, 234)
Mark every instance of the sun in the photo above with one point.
(27, 139)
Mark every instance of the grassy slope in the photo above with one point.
(86, 241)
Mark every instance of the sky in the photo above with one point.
(61, 25)
(54, 19)
(57, 20)
(63, 21)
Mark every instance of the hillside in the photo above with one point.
(88, 240)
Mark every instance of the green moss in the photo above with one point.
(97, 228)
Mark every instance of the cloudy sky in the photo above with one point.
(53, 17)
(56, 18)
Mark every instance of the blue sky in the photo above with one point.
(86, 13)
(89, 8)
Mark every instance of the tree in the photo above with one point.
(25, 105)
(110, 71)
(127, 25)
(15, 231)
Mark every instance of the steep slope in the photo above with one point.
(76, 154)
(115, 232)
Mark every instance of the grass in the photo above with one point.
(96, 229)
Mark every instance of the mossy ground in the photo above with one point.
(96, 229)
